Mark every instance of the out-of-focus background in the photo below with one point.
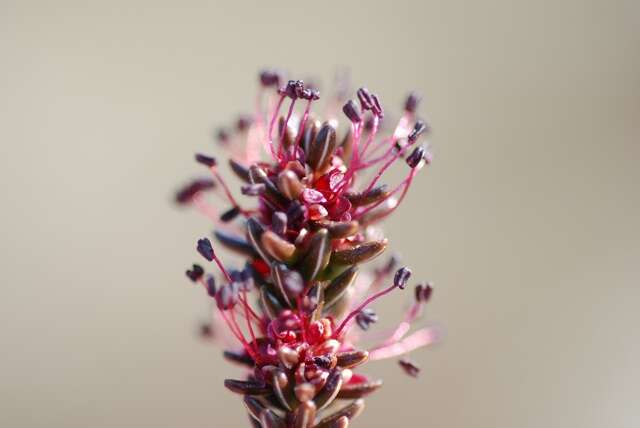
(527, 221)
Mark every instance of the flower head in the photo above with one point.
(317, 201)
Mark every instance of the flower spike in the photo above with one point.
(299, 305)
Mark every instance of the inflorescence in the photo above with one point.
(293, 309)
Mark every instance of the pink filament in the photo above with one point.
(303, 122)
(361, 307)
(204, 208)
(404, 185)
(274, 116)
(372, 135)
(284, 128)
(227, 192)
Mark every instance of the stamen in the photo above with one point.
(424, 292)
(363, 305)
(419, 128)
(206, 160)
(227, 192)
(252, 350)
(402, 277)
(416, 157)
(411, 104)
(351, 110)
(230, 214)
(205, 248)
(390, 162)
(187, 193)
(408, 182)
(270, 78)
(377, 107)
(365, 318)
(409, 368)
(223, 136)
(365, 99)
(195, 273)
(404, 184)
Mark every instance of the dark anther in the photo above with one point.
(206, 330)
(239, 357)
(411, 104)
(236, 275)
(352, 111)
(234, 242)
(402, 276)
(186, 194)
(416, 156)
(294, 89)
(270, 78)
(398, 146)
(391, 264)
(211, 285)
(205, 249)
(230, 214)
(227, 296)
(206, 160)
(368, 124)
(240, 170)
(365, 99)
(423, 292)
(377, 107)
(365, 318)
(310, 94)
(244, 122)
(223, 136)
(195, 273)
(419, 128)
(409, 368)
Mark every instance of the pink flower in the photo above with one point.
(318, 201)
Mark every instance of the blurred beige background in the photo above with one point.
(527, 221)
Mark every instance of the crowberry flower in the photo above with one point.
(291, 309)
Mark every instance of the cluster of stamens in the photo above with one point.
(291, 309)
